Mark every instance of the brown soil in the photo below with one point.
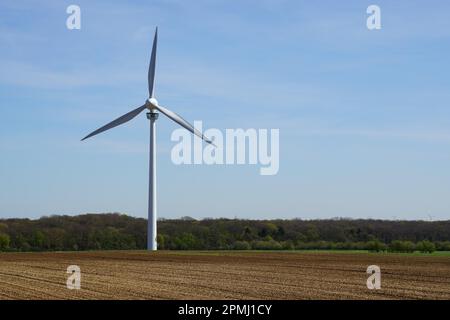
(222, 275)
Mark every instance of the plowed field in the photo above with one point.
(222, 275)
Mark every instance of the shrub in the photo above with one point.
(443, 246)
(266, 245)
(241, 245)
(401, 246)
(287, 245)
(426, 246)
(300, 245)
(375, 246)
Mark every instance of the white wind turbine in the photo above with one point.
(153, 106)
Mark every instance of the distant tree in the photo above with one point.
(299, 245)
(118, 231)
(55, 239)
(4, 241)
(160, 240)
(241, 245)
(266, 245)
(185, 241)
(312, 233)
(3, 227)
(20, 243)
(425, 246)
(280, 232)
(38, 240)
(287, 245)
(247, 234)
(376, 246)
(409, 246)
(401, 246)
(443, 245)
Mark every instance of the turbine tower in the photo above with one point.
(153, 106)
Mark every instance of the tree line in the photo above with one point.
(122, 232)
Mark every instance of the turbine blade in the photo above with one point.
(125, 118)
(182, 122)
(151, 67)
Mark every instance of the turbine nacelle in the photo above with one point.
(151, 104)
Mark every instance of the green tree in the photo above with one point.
(118, 231)
(160, 240)
(312, 233)
(443, 246)
(241, 245)
(247, 234)
(38, 240)
(401, 246)
(288, 245)
(186, 241)
(3, 227)
(426, 246)
(4, 241)
(266, 245)
(375, 246)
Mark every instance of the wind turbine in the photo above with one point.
(153, 106)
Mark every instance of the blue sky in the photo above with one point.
(364, 116)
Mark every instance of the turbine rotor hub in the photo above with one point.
(151, 103)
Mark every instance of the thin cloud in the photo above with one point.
(429, 136)
(24, 74)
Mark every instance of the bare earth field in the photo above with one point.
(222, 275)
